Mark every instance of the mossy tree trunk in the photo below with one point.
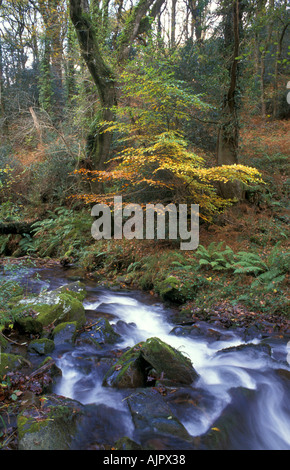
(98, 141)
(228, 134)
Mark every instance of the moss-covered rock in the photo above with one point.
(60, 305)
(42, 346)
(176, 291)
(151, 358)
(10, 362)
(128, 372)
(61, 308)
(60, 423)
(29, 325)
(54, 431)
(100, 334)
(75, 289)
(168, 361)
(65, 333)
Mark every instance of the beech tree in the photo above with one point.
(104, 76)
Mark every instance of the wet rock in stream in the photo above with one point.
(155, 425)
(235, 428)
(65, 424)
(201, 330)
(63, 304)
(100, 334)
(65, 333)
(148, 361)
(250, 349)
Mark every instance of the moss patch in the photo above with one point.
(10, 362)
(41, 346)
(65, 333)
(66, 309)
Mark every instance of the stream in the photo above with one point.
(250, 384)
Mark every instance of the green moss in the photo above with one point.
(127, 373)
(67, 308)
(65, 332)
(41, 346)
(176, 290)
(9, 362)
(169, 361)
(29, 325)
(75, 289)
(52, 432)
(25, 425)
(134, 366)
(62, 326)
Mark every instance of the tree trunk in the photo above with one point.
(228, 134)
(4, 129)
(98, 142)
(276, 75)
(195, 10)
(173, 23)
(263, 55)
(52, 79)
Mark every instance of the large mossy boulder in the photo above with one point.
(60, 305)
(60, 423)
(75, 289)
(168, 361)
(149, 361)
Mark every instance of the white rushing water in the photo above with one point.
(268, 416)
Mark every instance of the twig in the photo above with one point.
(11, 341)
(42, 369)
(8, 438)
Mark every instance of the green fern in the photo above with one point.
(268, 272)
(64, 228)
(249, 263)
(215, 257)
(136, 266)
